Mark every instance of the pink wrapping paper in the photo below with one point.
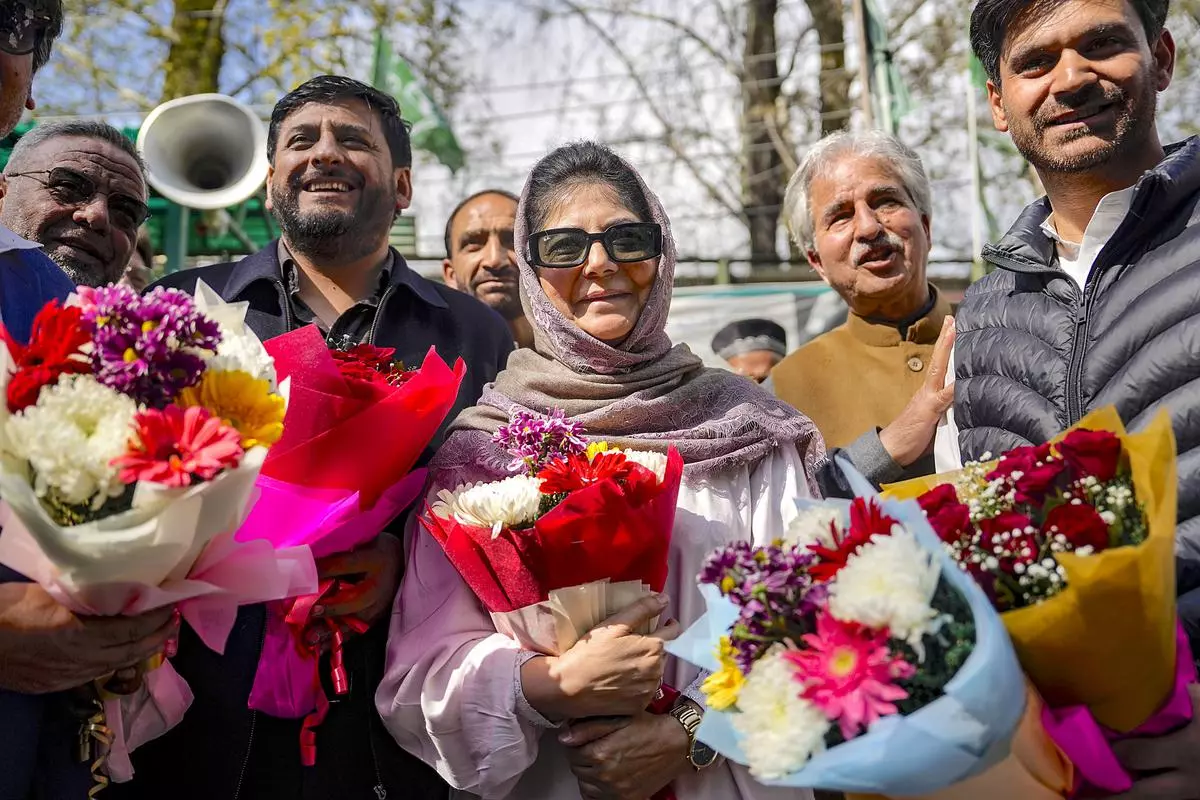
(227, 574)
(287, 682)
(1089, 745)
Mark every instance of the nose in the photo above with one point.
(598, 263)
(495, 255)
(93, 213)
(326, 150)
(1072, 73)
(866, 223)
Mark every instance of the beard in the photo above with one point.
(1133, 123)
(347, 234)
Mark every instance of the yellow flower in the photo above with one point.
(722, 687)
(243, 401)
(595, 448)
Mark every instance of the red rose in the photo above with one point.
(1020, 459)
(1091, 453)
(1080, 523)
(946, 514)
(1037, 481)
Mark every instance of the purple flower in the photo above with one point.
(148, 347)
(534, 441)
(772, 589)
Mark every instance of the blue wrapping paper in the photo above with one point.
(957, 736)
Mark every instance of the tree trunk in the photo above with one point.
(763, 178)
(828, 18)
(194, 62)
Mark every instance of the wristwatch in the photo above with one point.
(688, 714)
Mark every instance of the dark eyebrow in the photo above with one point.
(1020, 54)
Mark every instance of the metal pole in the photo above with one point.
(864, 64)
(175, 236)
(977, 268)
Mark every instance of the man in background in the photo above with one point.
(859, 207)
(44, 648)
(751, 347)
(481, 257)
(78, 188)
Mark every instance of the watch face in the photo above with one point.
(702, 755)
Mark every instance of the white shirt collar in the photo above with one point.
(1076, 258)
(10, 241)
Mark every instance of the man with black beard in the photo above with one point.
(1094, 299)
(340, 172)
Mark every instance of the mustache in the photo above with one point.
(296, 181)
(507, 274)
(881, 246)
(1093, 95)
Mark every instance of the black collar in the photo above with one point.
(264, 266)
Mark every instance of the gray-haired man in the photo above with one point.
(859, 206)
(77, 188)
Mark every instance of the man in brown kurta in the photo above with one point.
(859, 207)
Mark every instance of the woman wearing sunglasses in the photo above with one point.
(596, 261)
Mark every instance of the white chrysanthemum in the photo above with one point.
(245, 353)
(497, 505)
(71, 437)
(779, 730)
(889, 583)
(813, 527)
(655, 462)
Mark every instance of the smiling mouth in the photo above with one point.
(327, 186)
(1083, 117)
(877, 257)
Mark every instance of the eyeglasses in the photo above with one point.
(71, 188)
(21, 29)
(562, 248)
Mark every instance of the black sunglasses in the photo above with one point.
(21, 29)
(71, 188)
(562, 248)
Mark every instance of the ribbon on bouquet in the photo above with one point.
(1089, 744)
(306, 628)
(663, 702)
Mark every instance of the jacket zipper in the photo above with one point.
(379, 788)
(262, 641)
(1075, 365)
(378, 310)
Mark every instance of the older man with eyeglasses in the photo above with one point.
(78, 188)
(44, 648)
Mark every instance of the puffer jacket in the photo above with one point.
(1034, 352)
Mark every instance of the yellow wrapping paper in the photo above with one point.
(1035, 769)
(1107, 641)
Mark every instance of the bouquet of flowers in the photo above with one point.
(132, 433)
(1073, 542)
(852, 655)
(578, 533)
(357, 423)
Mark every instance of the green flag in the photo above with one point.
(430, 130)
(978, 75)
(890, 94)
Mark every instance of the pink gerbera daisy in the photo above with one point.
(849, 673)
(175, 447)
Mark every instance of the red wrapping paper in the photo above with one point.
(359, 437)
(601, 531)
